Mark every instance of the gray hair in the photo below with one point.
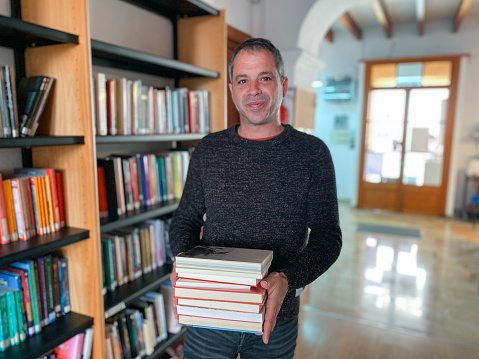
(258, 44)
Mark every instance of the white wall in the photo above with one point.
(342, 58)
(240, 14)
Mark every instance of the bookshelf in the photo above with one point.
(21, 36)
(52, 38)
(209, 75)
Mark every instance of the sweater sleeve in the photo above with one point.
(325, 239)
(187, 219)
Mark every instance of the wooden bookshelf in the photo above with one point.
(66, 141)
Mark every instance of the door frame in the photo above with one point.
(396, 204)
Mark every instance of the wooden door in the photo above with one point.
(408, 121)
(235, 37)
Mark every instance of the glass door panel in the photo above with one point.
(424, 152)
(384, 136)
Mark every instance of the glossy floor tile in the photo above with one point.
(421, 291)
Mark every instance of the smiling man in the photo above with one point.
(262, 185)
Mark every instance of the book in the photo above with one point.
(220, 276)
(191, 283)
(61, 206)
(220, 304)
(172, 323)
(226, 258)
(11, 309)
(100, 104)
(14, 281)
(250, 295)
(87, 344)
(214, 323)
(8, 74)
(11, 220)
(64, 285)
(221, 314)
(71, 349)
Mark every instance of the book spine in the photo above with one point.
(64, 285)
(56, 287)
(40, 269)
(4, 326)
(49, 287)
(36, 207)
(61, 206)
(19, 213)
(12, 223)
(12, 319)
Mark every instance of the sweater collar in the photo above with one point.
(265, 144)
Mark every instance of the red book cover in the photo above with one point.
(61, 205)
(4, 231)
(103, 202)
(71, 349)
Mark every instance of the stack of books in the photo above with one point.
(217, 287)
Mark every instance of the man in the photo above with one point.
(263, 185)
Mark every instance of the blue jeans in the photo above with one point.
(201, 343)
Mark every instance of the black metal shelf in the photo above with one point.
(138, 216)
(109, 55)
(149, 138)
(40, 245)
(39, 141)
(126, 293)
(50, 337)
(172, 338)
(176, 8)
(19, 34)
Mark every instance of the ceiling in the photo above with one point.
(386, 14)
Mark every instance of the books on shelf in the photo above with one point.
(129, 107)
(29, 297)
(139, 181)
(33, 204)
(135, 331)
(33, 93)
(222, 303)
(130, 252)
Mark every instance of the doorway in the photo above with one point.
(408, 120)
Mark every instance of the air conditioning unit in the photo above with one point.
(338, 90)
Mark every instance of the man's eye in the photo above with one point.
(242, 81)
(266, 78)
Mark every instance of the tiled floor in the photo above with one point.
(396, 297)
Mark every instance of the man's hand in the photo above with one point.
(276, 285)
(173, 283)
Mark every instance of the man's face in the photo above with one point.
(256, 87)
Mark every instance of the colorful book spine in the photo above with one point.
(64, 285)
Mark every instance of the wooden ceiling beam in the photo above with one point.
(383, 16)
(330, 36)
(462, 10)
(420, 15)
(350, 24)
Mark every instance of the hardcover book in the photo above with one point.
(226, 258)
(251, 295)
(214, 323)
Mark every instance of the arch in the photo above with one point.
(315, 26)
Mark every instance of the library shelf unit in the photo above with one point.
(51, 336)
(201, 68)
(36, 45)
(160, 348)
(66, 137)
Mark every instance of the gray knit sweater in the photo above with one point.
(263, 194)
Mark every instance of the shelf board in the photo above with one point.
(40, 245)
(138, 216)
(149, 138)
(176, 8)
(20, 34)
(38, 141)
(161, 347)
(126, 293)
(50, 337)
(109, 55)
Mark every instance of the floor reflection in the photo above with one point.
(426, 286)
